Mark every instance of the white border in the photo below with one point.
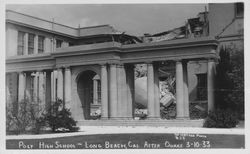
(2, 76)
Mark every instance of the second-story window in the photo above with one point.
(31, 38)
(40, 44)
(58, 43)
(20, 43)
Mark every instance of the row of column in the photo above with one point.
(117, 91)
(62, 85)
(45, 86)
(35, 87)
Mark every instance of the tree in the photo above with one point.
(230, 80)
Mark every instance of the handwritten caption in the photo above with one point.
(178, 141)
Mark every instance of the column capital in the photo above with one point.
(113, 64)
(67, 68)
(49, 70)
(149, 62)
(120, 65)
(211, 60)
(103, 64)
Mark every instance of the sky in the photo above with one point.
(133, 19)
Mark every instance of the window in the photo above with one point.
(40, 44)
(239, 9)
(58, 43)
(31, 38)
(201, 86)
(20, 43)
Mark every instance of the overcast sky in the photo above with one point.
(135, 19)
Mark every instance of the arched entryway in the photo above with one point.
(88, 91)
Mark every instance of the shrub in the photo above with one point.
(59, 118)
(221, 119)
(26, 117)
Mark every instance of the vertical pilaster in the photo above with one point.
(67, 87)
(48, 90)
(21, 87)
(26, 35)
(210, 84)
(180, 114)
(113, 91)
(150, 90)
(185, 89)
(104, 91)
(60, 83)
(36, 44)
(47, 45)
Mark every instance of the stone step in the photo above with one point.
(156, 123)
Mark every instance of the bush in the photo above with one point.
(24, 118)
(59, 118)
(221, 119)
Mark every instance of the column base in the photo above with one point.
(104, 118)
(153, 118)
(120, 118)
(182, 118)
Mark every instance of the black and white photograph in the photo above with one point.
(100, 77)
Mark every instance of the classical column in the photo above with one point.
(130, 90)
(21, 86)
(67, 87)
(53, 85)
(210, 83)
(60, 83)
(41, 88)
(185, 89)
(150, 90)
(104, 91)
(48, 89)
(28, 86)
(156, 92)
(122, 92)
(95, 90)
(180, 114)
(113, 91)
(36, 85)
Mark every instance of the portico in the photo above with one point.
(57, 75)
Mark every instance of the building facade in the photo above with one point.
(93, 67)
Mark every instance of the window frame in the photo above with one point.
(31, 44)
(22, 44)
(57, 41)
(40, 46)
(201, 87)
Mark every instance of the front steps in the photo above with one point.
(150, 123)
